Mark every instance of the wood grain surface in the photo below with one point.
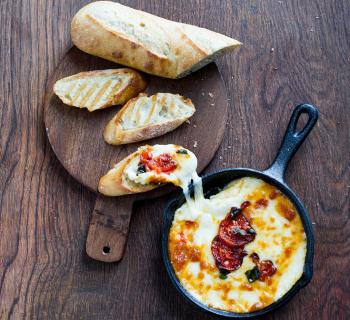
(294, 52)
(76, 134)
(76, 138)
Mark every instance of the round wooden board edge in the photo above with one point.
(156, 193)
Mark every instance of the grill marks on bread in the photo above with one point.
(148, 117)
(99, 89)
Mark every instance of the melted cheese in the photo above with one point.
(181, 176)
(279, 237)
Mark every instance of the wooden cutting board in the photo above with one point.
(76, 138)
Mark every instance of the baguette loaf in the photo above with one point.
(99, 89)
(144, 41)
(145, 117)
(148, 168)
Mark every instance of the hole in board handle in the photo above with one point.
(106, 250)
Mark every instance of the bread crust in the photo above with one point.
(116, 135)
(173, 51)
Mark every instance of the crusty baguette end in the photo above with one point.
(144, 41)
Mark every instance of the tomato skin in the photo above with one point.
(245, 205)
(162, 163)
(145, 156)
(227, 247)
(266, 269)
(236, 232)
(165, 163)
(226, 258)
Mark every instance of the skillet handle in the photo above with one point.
(292, 140)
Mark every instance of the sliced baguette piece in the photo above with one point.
(100, 89)
(115, 183)
(125, 177)
(144, 41)
(145, 117)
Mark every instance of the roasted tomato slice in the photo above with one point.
(226, 258)
(162, 163)
(266, 269)
(236, 231)
(145, 156)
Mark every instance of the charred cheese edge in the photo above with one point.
(279, 238)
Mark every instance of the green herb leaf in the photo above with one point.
(234, 212)
(141, 169)
(222, 276)
(182, 151)
(237, 230)
(252, 275)
(251, 231)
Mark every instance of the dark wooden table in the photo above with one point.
(294, 52)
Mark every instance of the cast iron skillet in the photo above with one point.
(274, 175)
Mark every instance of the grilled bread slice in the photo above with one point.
(148, 168)
(148, 117)
(100, 89)
(144, 41)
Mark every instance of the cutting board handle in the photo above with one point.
(109, 228)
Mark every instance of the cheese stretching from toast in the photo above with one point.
(148, 117)
(99, 89)
(144, 41)
(148, 168)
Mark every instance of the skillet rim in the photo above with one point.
(306, 276)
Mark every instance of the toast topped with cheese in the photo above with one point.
(148, 117)
(100, 89)
(148, 168)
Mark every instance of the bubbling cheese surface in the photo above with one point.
(280, 237)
